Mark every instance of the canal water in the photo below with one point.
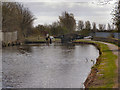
(47, 66)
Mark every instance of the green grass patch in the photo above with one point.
(40, 39)
(35, 38)
(106, 68)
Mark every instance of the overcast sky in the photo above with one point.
(48, 11)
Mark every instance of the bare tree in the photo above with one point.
(9, 18)
(87, 25)
(102, 27)
(112, 27)
(80, 25)
(109, 27)
(67, 20)
(16, 17)
(117, 15)
(94, 27)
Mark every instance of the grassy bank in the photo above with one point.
(35, 38)
(40, 39)
(103, 73)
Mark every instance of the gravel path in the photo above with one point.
(115, 51)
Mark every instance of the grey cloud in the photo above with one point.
(83, 10)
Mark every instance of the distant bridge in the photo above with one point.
(70, 37)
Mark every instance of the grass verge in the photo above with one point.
(40, 39)
(103, 73)
(36, 38)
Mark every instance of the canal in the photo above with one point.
(47, 66)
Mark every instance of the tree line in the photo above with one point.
(66, 24)
(93, 26)
(17, 17)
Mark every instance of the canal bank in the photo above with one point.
(98, 78)
(104, 74)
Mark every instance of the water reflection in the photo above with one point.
(24, 49)
(47, 66)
